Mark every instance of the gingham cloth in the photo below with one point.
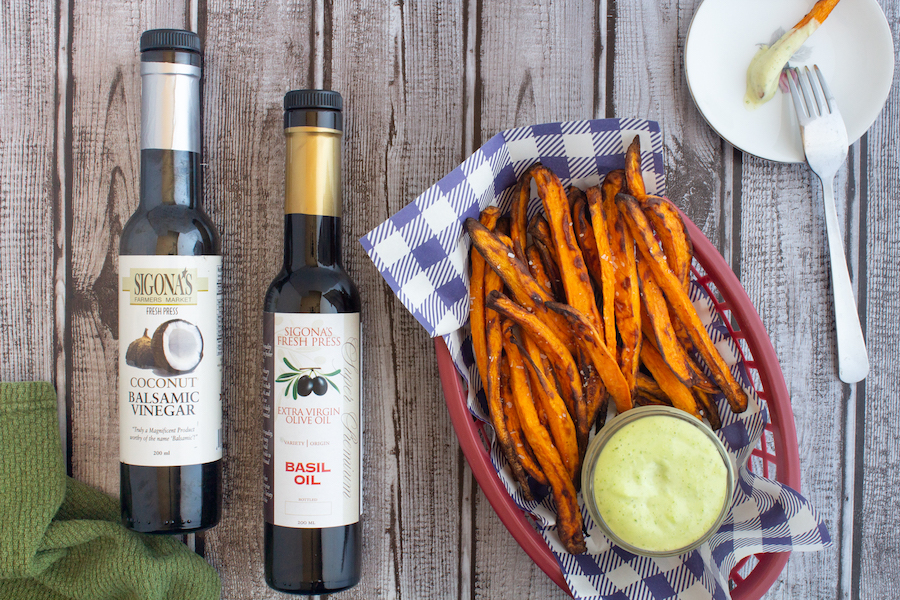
(422, 253)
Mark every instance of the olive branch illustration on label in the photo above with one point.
(304, 381)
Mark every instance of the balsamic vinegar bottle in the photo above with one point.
(170, 309)
(311, 353)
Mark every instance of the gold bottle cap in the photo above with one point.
(313, 171)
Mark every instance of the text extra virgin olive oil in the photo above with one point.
(170, 309)
(311, 369)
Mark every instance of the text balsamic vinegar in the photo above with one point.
(170, 309)
(311, 353)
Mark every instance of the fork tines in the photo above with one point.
(818, 98)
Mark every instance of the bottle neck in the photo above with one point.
(170, 106)
(311, 241)
(312, 182)
(170, 177)
(312, 203)
(170, 129)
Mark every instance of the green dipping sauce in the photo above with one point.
(660, 483)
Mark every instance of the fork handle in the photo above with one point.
(853, 362)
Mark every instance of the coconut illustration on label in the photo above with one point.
(140, 353)
(176, 347)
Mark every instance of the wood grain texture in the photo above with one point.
(105, 147)
(254, 52)
(536, 64)
(28, 191)
(878, 450)
(785, 272)
(400, 68)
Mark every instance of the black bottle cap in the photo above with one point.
(313, 108)
(170, 39)
(313, 100)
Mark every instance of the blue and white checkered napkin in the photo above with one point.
(422, 253)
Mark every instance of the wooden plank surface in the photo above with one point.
(29, 190)
(876, 561)
(424, 84)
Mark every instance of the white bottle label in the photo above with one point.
(311, 411)
(170, 360)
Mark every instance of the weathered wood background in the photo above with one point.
(424, 84)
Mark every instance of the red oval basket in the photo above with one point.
(776, 450)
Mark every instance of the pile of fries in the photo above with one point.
(574, 303)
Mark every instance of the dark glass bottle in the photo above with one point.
(170, 404)
(306, 551)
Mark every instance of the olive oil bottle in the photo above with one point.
(170, 309)
(311, 354)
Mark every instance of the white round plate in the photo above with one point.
(853, 48)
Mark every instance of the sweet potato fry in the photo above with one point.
(676, 391)
(569, 522)
(642, 400)
(602, 410)
(476, 298)
(536, 267)
(613, 183)
(588, 339)
(633, 177)
(541, 402)
(573, 195)
(669, 228)
(658, 327)
(503, 226)
(584, 234)
(607, 281)
(559, 421)
(518, 215)
(542, 238)
(575, 278)
(680, 303)
(492, 282)
(494, 394)
(597, 399)
(493, 351)
(582, 409)
(552, 270)
(516, 276)
(511, 425)
(710, 410)
(701, 381)
(627, 295)
(647, 386)
(819, 12)
(519, 444)
(564, 366)
(582, 429)
(540, 232)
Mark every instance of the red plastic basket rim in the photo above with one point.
(784, 434)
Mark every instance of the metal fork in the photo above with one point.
(825, 144)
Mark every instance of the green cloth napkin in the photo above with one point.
(59, 538)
